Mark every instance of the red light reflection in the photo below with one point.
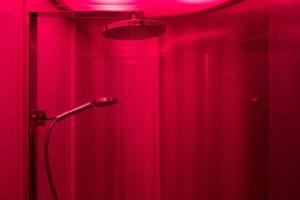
(151, 8)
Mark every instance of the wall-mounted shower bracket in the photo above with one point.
(38, 117)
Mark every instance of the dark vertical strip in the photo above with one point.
(32, 178)
(161, 61)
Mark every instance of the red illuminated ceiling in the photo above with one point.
(151, 8)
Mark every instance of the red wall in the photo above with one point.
(284, 99)
(185, 127)
(13, 101)
(208, 111)
(55, 87)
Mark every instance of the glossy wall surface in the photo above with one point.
(284, 99)
(13, 112)
(198, 113)
(54, 89)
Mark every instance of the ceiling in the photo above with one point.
(151, 8)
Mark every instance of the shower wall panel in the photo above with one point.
(284, 100)
(193, 115)
(55, 89)
(191, 122)
(117, 148)
(13, 117)
(214, 131)
(238, 126)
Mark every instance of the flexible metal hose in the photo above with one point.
(47, 160)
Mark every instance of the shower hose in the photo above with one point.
(98, 102)
(47, 160)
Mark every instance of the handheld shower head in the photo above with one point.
(104, 101)
(98, 102)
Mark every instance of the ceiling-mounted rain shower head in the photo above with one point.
(134, 29)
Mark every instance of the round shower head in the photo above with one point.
(134, 29)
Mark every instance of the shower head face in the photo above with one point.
(134, 29)
(104, 101)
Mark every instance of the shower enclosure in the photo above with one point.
(206, 111)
